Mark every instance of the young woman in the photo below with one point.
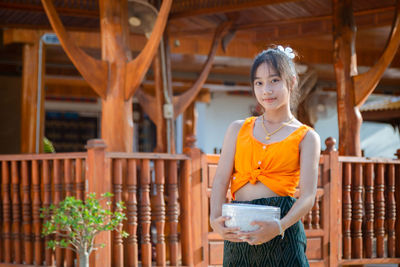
(264, 159)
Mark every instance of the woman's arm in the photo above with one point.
(221, 183)
(309, 160)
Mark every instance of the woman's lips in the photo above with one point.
(269, 100)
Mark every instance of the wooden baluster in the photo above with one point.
(26, 214)
(145, 212)
(173, 211)
(79, 180)
(16, 213)
(36, 204)
(46, 204)
(5, 187)
(380, 211)
(308, 220)
(132, 244)
(69, 188)
(57, 199)
(357, 240)
(117, 257)
(391, 212)
(159, 212)
(316, 213)
(369, 209)
(347, 211)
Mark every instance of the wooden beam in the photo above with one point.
(137, 68)
(189, 8)
(94, 71)
(84, 11)
(181, 102)
(381, 115)
(366, 83)
(83, 39)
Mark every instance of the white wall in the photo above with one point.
(215, 117)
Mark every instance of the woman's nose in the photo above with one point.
(267, 90)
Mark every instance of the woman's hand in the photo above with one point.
(267, 230)
(227, 233)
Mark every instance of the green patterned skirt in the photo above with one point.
(287, 252)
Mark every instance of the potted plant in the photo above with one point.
(78, 222)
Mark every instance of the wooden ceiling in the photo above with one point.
(305, 25)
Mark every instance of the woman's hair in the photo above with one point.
(282, 61)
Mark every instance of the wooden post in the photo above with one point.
(335, 203)
(99, 182)
(30, 95)
(349, 118)
(196, 204)
(118, 133)
(186, 214)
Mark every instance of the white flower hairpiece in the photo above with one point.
(288, 51)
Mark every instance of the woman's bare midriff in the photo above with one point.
(254, 191)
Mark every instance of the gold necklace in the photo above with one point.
(268, 135)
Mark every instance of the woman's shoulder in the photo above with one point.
(311, 138)
(235, 127)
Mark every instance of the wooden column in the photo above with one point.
(30, 94)
(99, 180)
(349, 117)
(116, 111)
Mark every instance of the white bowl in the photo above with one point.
(243, 214)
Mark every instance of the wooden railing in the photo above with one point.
(154, 187)
(148, 183)
(370, 210)
(29, 183)
(355, 219)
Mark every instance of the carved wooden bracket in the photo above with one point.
(147, 102)
(182, 101)
(364, 84)
(137, 68)
(94, 71)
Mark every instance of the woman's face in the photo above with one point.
(270, 89)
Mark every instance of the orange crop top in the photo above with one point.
(276, 165)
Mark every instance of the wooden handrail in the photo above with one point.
(49, 156)
(367, 160)
(145, 155)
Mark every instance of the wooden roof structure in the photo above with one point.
(257, 24)
(306, 25)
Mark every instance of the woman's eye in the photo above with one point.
(257, 83)
(275, 80)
